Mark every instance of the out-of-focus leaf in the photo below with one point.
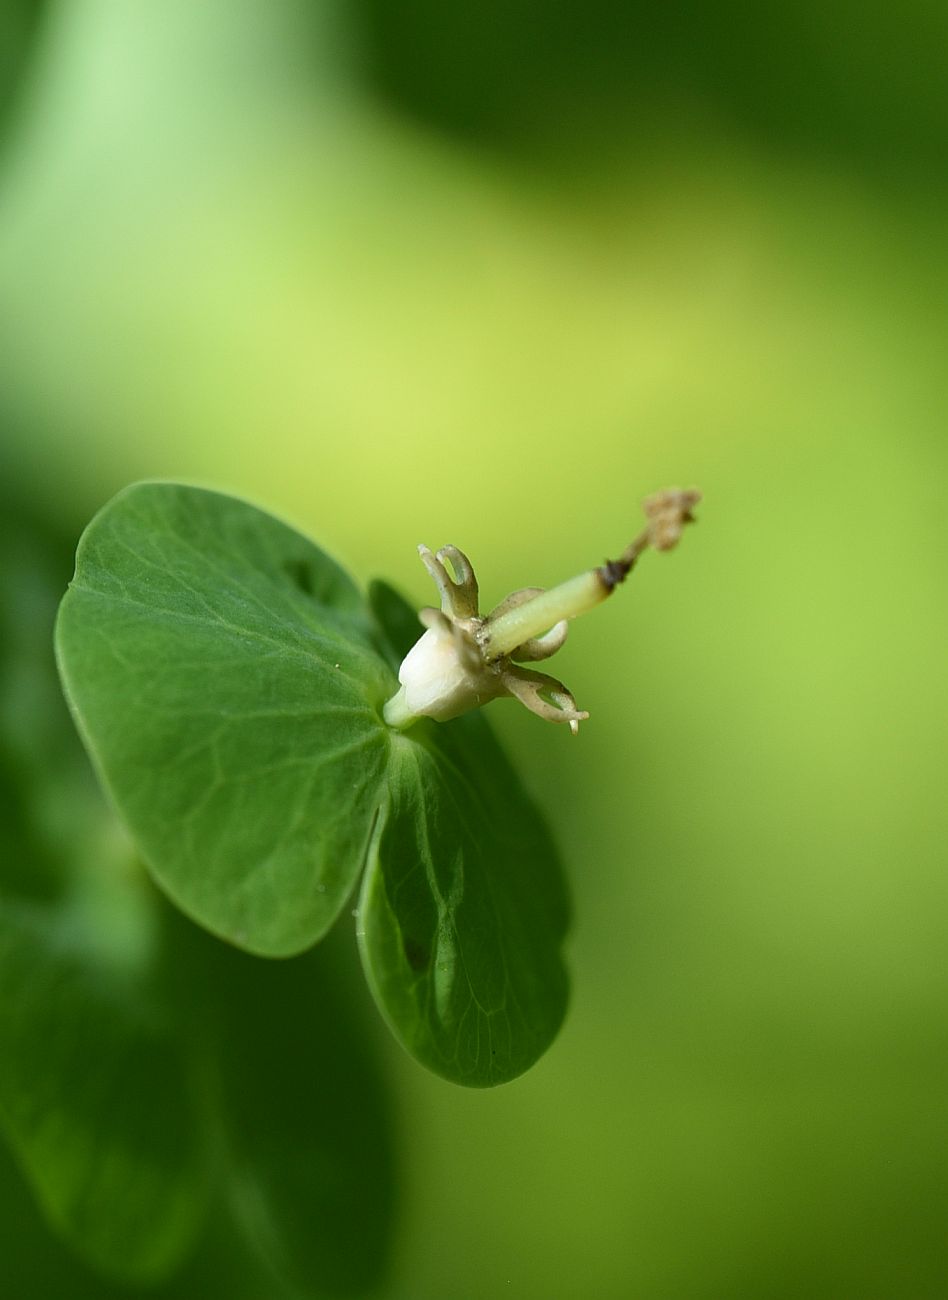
(94, 1094)
(48, 798)
(807, 75)
(304, 1117)
(36, 1264)
(19, 20)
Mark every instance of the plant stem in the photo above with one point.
(533, 617)
(667, 513)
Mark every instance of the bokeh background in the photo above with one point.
(488, 273)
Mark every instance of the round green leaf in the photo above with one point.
(463, 909)
(223, 672)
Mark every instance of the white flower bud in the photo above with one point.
(442, 677)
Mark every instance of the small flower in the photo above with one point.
(465, 659)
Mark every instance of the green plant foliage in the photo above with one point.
(464, 964)
(313, 1184)
(222, 670)
(228, 679)
(463, 960)
(19, 21)
(94, 1088)
(148, 1073)
(94, 1097)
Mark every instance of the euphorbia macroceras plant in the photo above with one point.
(273, 739)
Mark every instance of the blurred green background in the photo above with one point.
(488, 274)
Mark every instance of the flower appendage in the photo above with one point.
(465, 659)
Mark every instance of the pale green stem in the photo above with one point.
(570, 599)
(538, 615)
(396, 711)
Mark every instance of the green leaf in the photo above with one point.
(48, 796)
(229, 679)
(463, 907)
(306, 1125)
(224, 674)
(94, 1091)
(399, 623)
(94, 1095)
(36, 1263)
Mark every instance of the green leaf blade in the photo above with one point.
(463, 909)
(223, 672)
(95, 1097)
(304, 1116)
